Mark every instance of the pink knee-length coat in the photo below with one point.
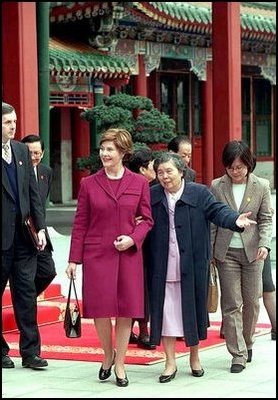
(112, 280)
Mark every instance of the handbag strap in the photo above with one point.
(72, 283)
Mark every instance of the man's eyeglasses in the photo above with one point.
(36, 153)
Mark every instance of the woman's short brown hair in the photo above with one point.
(238, 149)
(121, 138)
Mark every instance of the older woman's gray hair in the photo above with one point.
(174, 158)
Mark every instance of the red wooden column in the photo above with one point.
(226, 56)
(207, 170)
(140, 80)
(106, 90)
(80, 148)
(19, 64)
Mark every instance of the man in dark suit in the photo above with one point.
(182, 146)
(45, 264)
(20, 198)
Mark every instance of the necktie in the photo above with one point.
(6, 153)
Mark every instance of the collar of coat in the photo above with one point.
(190, 194)
(126, 181)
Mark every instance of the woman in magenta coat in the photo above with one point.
(108, 243)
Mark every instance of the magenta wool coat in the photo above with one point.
(112, 280)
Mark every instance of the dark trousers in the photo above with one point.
(45, 270)
(19, 265)
(268, 285)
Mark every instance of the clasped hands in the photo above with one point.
(123, 242)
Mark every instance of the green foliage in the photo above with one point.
(91, 163)
(109, 117)
(118, 111)
(139, 146)
(128, 102)
(154, 127)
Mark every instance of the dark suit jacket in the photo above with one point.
(44, 175)
(190, 175)
(29, 199)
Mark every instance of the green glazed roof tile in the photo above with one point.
(258, 23)
(79, 57)
(185, 12)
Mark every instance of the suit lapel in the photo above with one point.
(250, 192)
(228, 192)
(5, 181)
(125, 181)
(19, 165)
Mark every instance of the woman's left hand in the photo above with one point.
(262, 253)
(123, 242)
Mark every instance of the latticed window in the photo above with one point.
(256, 115)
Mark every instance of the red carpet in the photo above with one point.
(56, 345)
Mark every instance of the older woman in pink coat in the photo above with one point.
(108, 243)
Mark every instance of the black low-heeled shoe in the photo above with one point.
(105, 373)
(167, 378)
(121, 382)
(133, 339)
(197, 372)
(144, 343)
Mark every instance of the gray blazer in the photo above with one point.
(257, 198)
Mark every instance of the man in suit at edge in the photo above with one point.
(45, 264)
(20, 198)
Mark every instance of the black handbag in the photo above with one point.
(72, 321)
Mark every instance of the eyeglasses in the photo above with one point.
(238, 168)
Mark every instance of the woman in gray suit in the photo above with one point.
(239, 256)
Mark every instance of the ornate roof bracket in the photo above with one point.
(269, 73)
(199, 67)
(151, 63)
(266, 62)
(103, 31)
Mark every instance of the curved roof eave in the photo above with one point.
(76, 57)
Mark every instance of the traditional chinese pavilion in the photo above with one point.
(211, 66)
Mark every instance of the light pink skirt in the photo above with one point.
(172, 312)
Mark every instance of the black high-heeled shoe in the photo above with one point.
(197, 372)
(121, 382)
(167, 378)
(105, 373)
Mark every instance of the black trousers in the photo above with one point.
(45, 270)
(19, 264)
(268, 285)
